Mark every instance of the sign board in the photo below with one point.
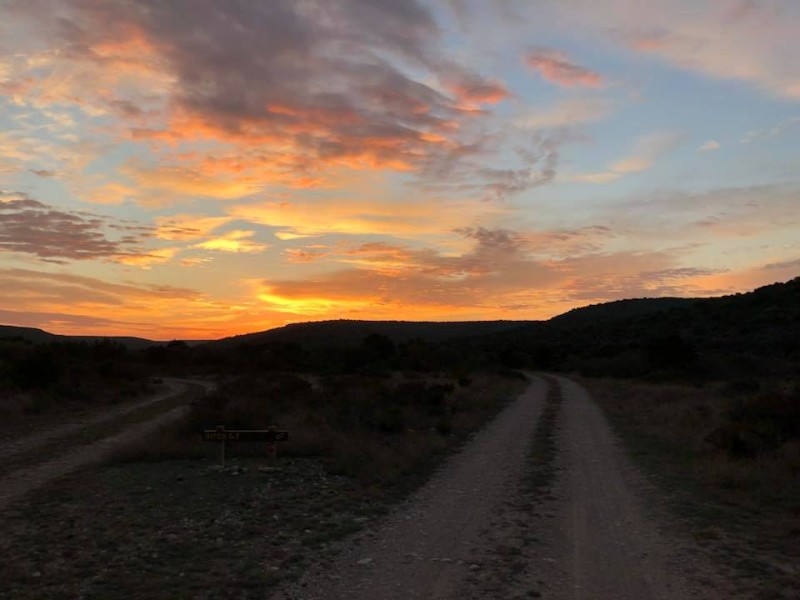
(270, 436)
(245, 435)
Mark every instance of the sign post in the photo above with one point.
(272, 436)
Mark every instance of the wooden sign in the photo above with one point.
(270, 436)
(245, 435)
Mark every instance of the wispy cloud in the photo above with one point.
(556, 67)
(709, 146)
(645, 153)
(571, 112)
(56, 235)
(752, 42)
(757, 135)
(503, 272)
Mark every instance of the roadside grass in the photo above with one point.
(727, 458)
(377, 429)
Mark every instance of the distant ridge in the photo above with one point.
(346, 332)
(619, 310)
(39, 336)
(763, 318)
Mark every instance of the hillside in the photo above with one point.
(346, 332)
(737, 336)
(740, 335)
(618, 310)
(39, 336)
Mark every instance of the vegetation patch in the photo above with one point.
(377, 429)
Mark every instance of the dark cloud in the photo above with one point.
(787, 264)
(359, 83)
(498, 239)
(43, 172)
(464, 168)
(328, 76)
(56, 235)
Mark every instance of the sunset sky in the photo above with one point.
(200, 168)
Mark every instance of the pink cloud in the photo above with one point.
(555, 67)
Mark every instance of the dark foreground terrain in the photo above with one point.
(545, 501)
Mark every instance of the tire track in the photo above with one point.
(59, 453)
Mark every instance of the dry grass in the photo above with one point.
(376, 429)
(728, 459)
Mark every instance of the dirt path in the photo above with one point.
(423, 549)
(542, 503)
(605, 538)
(27, 443)
(67, 458)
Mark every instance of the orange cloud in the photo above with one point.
(308, 217)
(162, 185)
(474, 90)
(79, 305)
(233, 241)
(555, 67)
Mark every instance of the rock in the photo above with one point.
(364, 561)
(474, 567)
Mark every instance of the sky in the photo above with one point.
(194, 169)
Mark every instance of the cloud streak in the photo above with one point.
(555, 66)
(646, 152)
(32, 227)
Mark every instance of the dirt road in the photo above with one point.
(58, 453)
(541, 503)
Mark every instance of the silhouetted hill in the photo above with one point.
(345, 332)
(741, 335)
(618, 310)
(39, 336)
(738, 336)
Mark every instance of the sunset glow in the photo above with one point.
(197, 168)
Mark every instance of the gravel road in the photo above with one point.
(499, 521)
(605, 538)
(64, 460)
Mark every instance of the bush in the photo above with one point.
(759, 424)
